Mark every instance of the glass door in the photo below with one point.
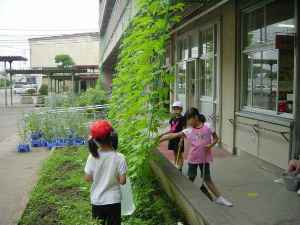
(180, 88)
(208, 74)
(192, 93)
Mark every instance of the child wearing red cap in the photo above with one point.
(106, 169)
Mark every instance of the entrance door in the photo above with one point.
(192, 93)
(180, 88)
(208, 75)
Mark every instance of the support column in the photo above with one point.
(73, 89)
(79, 86)
(296, 130)
(10, 79)
(5, 85)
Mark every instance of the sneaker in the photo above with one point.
(298, 192)
(222, 201)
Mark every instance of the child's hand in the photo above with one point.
(208, 147)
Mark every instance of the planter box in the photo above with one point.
(23, 148)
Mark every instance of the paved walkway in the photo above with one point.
(18, 172)
(249, 184)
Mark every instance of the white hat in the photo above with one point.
(177, 104)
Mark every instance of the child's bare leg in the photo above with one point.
(180, 160)
(210, 184)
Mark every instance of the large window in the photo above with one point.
(268, 56)
(207, 60)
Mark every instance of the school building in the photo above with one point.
(236, 61)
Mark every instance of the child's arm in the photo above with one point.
(122, 179)
(88, 178)
(171, 136)
(214, 142)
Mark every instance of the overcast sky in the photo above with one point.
(20, 19)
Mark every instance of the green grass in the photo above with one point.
(61, 196)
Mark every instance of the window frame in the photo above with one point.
(245, 50)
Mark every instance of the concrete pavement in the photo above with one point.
(18, 171)
(249, 183)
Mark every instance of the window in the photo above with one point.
(207, 55)
(268, 69)
(181, 83)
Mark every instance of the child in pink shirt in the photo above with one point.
(202, 138)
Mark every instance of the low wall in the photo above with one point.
(193, 204)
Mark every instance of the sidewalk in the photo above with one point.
(18, 171)
(249, 184)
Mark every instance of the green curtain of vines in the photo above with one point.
(141, 84)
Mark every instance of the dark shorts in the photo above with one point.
(204, 168)
(173, 145)
(110, 214)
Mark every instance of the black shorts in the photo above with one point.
(173, 145)
(204, 168)
(110, 214)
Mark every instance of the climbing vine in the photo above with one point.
(140, 87)
(141, 84)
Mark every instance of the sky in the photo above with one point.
(22, 19)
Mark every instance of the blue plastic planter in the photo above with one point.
(50, 145)
(36, 135)
(79, 141)
(36, 143)
(23, 148)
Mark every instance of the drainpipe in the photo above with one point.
(296, 130)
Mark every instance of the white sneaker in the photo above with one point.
(222, 201)
(298, 192)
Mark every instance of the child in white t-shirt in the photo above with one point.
(106, 169)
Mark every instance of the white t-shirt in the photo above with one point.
(105, 189)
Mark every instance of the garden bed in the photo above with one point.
(61, 196)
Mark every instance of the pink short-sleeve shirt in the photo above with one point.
(198, 139)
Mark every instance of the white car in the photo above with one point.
(20, 90)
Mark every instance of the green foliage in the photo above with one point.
(61, 196)
(141, 84)
(64, 60)
(92, 96)
(43, 89)
(31, 91)
(2, 83)
(137, 107)
(54, 124)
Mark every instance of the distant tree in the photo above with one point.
(64, 60)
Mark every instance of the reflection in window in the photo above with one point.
(179, 50)
(263, 70)
(181, 83)
(282, 22)
(194, 45)
(254, 24)
(268, 72)
(207, 62)
(192, 84)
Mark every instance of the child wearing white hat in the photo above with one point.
(177, 124)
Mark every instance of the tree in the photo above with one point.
(64, 60)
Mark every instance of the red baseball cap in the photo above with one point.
(100, 129)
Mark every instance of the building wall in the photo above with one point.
(264, 136)
(84, 50)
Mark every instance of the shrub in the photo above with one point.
(43, 89)
(30, 91)
(93, 96)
